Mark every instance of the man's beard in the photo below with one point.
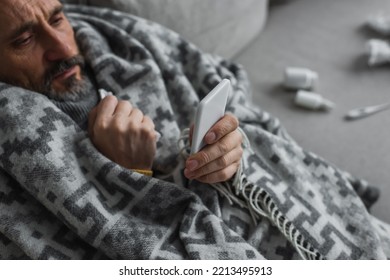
(75, 88)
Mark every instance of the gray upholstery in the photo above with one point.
(223, 27)
(328, 37)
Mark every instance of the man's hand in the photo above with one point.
(220, 159)
(122, 133)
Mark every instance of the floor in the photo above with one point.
(328, 37)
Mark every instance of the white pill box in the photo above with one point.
(300, 78)
(312, 100)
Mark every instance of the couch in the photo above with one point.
(325, 36)
(223, 27)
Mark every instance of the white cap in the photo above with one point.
(312, 100)
(378, 52)
(380, 23)
(300, 78)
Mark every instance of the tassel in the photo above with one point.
(258, 202)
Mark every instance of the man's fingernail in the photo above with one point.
(210, 137)
(188, 173)
(192, 164)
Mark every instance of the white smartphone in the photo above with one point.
(210, 110)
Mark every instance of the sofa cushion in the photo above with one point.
(223, 27)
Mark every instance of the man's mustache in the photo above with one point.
(62, 66)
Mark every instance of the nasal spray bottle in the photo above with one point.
(305, 80)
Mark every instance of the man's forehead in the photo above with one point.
(14, 13)
(11, 8)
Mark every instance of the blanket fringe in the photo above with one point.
(258, 202)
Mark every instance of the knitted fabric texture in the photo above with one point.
(61, 199)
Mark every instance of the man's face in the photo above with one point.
(38, 50)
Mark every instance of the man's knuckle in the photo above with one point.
(149, 122)
(223, 129)
(147, 119)
(117, 125)
(203, 157)
(121, 129)
(102, 124)
(150, 134)
(145, 132)
(235, 121)
(138, 112)
(135, 110)
(224, 161)
(223, 147)
(225, 174)
(133, 127)
(240, 152)
(124, 103)
(110, 99)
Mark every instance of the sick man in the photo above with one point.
(85, 177)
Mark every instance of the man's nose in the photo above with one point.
(57, 48)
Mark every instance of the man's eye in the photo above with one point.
(23, 41)
(56, 21)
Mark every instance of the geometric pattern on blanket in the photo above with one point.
(61, 199)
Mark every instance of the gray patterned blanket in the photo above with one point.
(61, 199)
